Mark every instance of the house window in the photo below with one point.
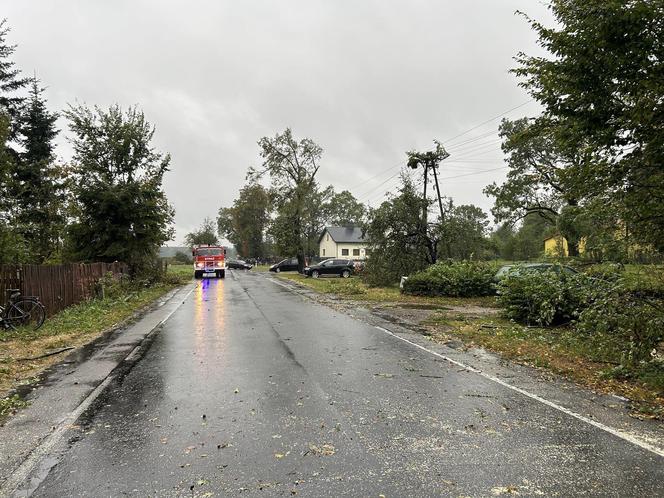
(327, 238)
(356, 252)
(344, 252)
(323, 252)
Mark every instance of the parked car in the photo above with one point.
(525, 268)
(238, 264)
(342, 267)
(289, 264)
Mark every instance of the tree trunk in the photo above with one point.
(573, 248)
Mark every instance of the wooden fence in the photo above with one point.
(57, 286)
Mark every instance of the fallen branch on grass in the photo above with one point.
(45, 355)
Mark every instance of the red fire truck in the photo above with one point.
(209, 261)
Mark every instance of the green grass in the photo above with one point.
(261, 268)
(591, 360)
(10, 404)
(75, 327)
(588, 359)
(185, 271)
(354, 288)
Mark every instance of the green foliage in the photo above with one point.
(120, 210)
(636, 323)
(10, 81)
(462, 232)
(183, 257)
(601, 88)
(543, 298)
(292, 166)
(10, 404)
(523, 243)
(343, 209)
(37, 185)
(206, 234)
(539, 179)
(398, 243)
(244, 224)
(454, 279)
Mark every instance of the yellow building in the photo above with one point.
(556, 245)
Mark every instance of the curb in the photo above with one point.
(25, 477)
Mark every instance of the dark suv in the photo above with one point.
(342, 267)
(289, 264)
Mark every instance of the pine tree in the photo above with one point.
(10, 80)
(36, 183)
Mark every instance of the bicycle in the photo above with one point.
(21, 311)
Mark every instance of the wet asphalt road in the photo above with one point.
(251, 389)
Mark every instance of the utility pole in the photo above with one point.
(429, 161)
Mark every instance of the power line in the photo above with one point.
(377, 186)
(488, 121)
(463, 143)
(458, 146)
(473, 173)
(376, 176)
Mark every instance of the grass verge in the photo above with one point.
(588, 360)
(73, 327)
(353, 288)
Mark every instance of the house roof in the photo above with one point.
(344, 234)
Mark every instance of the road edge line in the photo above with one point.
(36, 456)
(615, 432)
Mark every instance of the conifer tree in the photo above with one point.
(36, 184)
(10, 81)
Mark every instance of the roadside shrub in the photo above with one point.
(112, 286)
(543, 298)
(636, 324)
(347, 287)
(454, 279)
(608, 272)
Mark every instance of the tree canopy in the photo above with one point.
(121, 211)
(205, 234)
(602, 88)
(291, 165)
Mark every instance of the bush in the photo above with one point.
(455, 279)
(543, 298)
(636, 324)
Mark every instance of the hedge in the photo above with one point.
(454, 279)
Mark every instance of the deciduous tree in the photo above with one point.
(206, 234)
(291, 165)
(244, 223)
(397, 244)
(602, 88)
(121, 211)
(542, 178)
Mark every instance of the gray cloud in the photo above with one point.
(367, 80)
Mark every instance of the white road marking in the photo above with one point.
(626, 436)
(630, 438)
(55, 438)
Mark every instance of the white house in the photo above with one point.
(342, 242)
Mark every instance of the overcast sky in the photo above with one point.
(367, 80)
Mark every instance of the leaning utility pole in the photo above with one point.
(429, 161)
